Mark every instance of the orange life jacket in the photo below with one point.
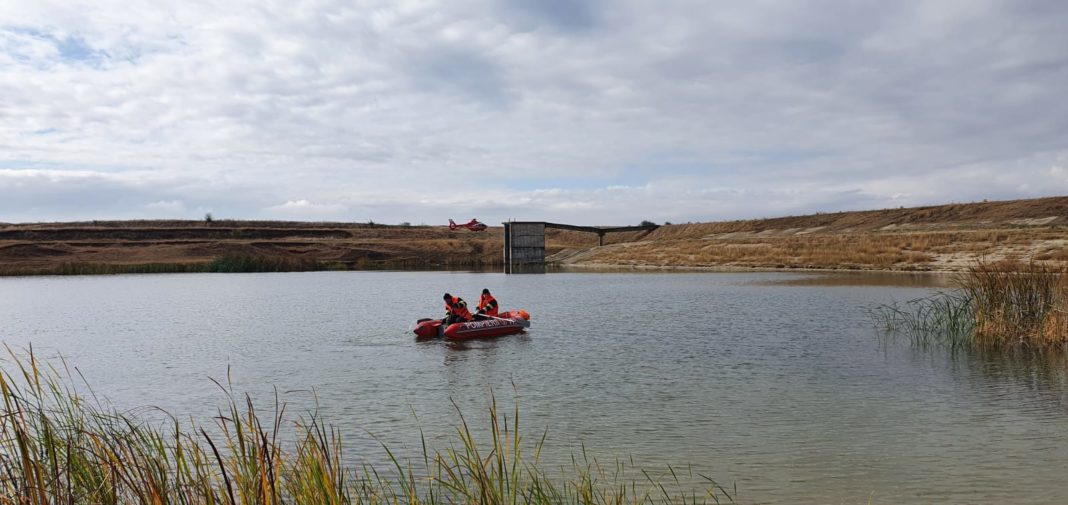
(458, 307)
(488, 305)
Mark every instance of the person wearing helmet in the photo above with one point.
(455, 310)
(487, 304)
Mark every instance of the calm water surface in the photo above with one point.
(772, 382)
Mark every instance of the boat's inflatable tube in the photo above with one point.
(506, 323)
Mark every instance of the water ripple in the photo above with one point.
(779, 388)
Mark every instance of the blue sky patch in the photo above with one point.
(75, 49)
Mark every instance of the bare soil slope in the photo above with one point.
(120, 246)
(940, 238)
(41, 248)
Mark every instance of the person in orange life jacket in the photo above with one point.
(487, 304)
(455, 310)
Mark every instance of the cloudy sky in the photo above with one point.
(588, 112)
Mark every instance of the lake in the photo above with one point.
(775, 383)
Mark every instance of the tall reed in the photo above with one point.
(243, 263)
(74, 268)
(993, 304)
(59, 445)
(1017, 303)
(944, 319)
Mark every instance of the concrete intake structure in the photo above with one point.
(524, 242)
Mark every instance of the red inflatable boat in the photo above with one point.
(505, 323)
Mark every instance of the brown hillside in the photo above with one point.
(945, 237)
(118, 246)
(941, 238)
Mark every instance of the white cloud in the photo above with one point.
(305, 208)
(404, 111)
(171, 207)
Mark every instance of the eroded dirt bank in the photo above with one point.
(936, 238)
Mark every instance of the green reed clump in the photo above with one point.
(943, 319)
(60, 446)
(992, 305)
(244, 263)
(76, 268)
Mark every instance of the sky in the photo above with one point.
(599, 112)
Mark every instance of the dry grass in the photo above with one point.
(53, 248)
(946, 237)
(873, 250)
(938, 238)
(1018, 303)
(979, 215)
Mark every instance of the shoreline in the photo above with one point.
(745, 269)
(88, 269)
(929, 240)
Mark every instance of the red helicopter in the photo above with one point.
(473, 225)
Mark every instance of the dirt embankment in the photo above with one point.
(177, 246)
(935, 238)
(43, 248)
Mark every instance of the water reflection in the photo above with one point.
(527, 268)
(1038, 376)
(476, 350)
(889, 279)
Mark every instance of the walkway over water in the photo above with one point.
(524, 241)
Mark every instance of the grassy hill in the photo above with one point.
(119, 246)
(944, 237)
